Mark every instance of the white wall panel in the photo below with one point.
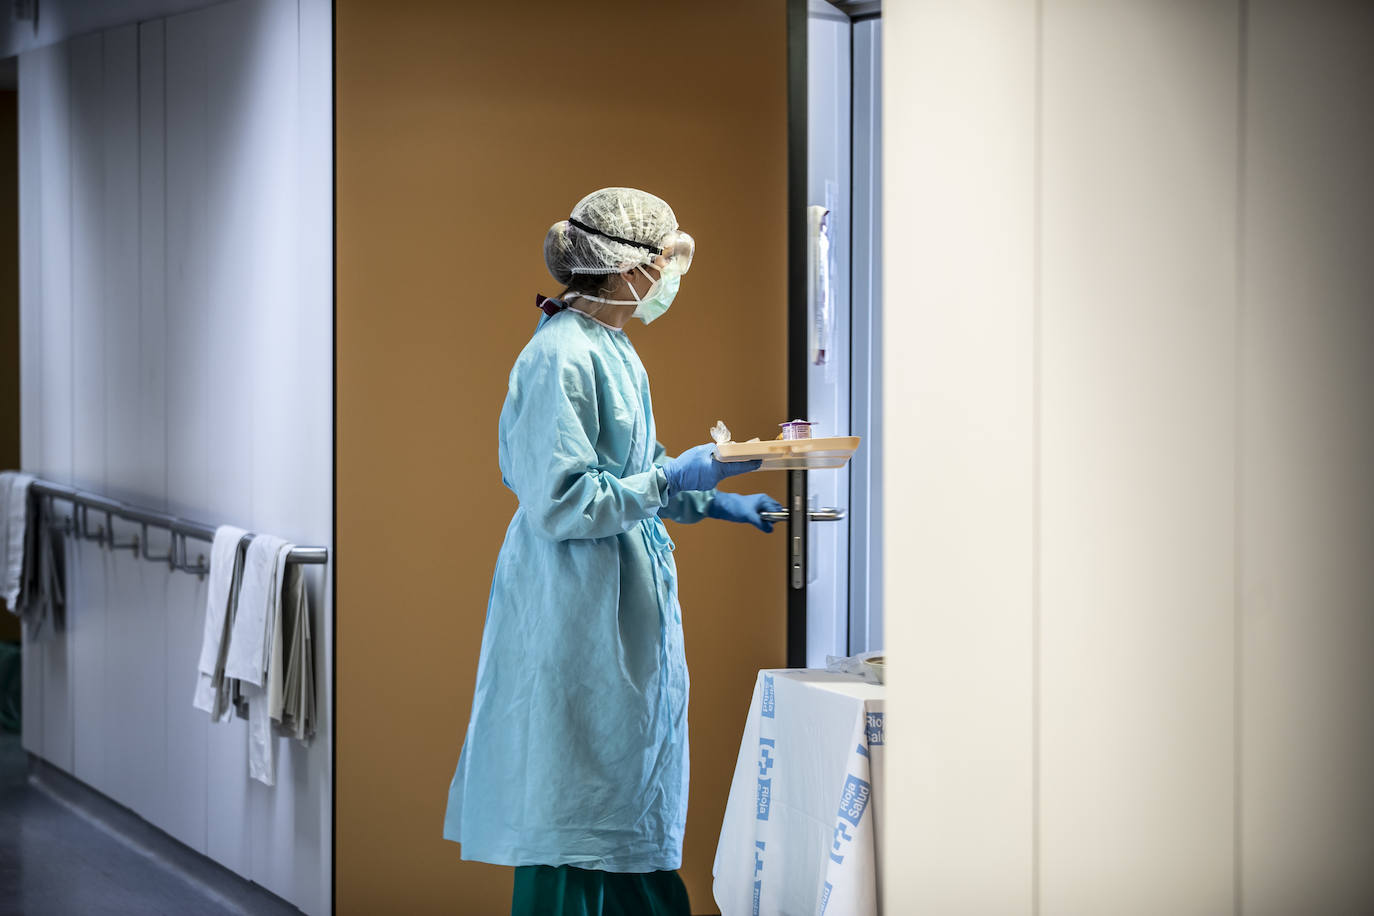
(86, 65)
(30, 114)
(187, 749)
(134, 722)
(149, 619)
(148, 477)
(55, 260)
(187, 264)
(267, 46)
(179, 355)
(121, 287)
(49, 89)
(221, 317)
(1308, 751)
(87, 613)
(30, 350)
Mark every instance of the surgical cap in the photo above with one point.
(611, 231)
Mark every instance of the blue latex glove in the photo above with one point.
(734, 507)
(698, 469)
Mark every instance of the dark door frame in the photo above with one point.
(797, 327)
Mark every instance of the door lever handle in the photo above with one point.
(812, 515)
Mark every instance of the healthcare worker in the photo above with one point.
(574, 765)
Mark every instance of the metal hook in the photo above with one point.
(83, 516)
(150, 556)
(114, 544)
(201, 567)
(174, 559)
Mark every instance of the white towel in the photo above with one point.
(261, 759)
(210, 669)
(259, 607)
(257, 618)
(14, 514)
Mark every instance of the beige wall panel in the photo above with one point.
(1308, 512)
(1203, 513)
(959, 155)
(1137, 457)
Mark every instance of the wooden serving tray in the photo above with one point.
(792, 454)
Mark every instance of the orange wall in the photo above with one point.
(464, 131)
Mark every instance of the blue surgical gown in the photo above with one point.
(576, 749)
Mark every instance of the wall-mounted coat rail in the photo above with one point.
(83, 504)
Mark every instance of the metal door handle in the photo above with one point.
(812, 515)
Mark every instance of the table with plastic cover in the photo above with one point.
(802, 827)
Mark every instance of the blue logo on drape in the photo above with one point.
(853, 803)
(874, 728)
(765, 790)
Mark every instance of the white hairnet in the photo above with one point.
(614, 230)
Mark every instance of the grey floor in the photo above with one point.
(64, 850)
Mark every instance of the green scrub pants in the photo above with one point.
(545, 890)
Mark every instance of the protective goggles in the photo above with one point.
(676, 252)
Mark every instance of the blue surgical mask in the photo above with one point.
(660, 295)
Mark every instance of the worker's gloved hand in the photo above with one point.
(698, 469)
(734, 507)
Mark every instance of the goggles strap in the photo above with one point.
(614, 238)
